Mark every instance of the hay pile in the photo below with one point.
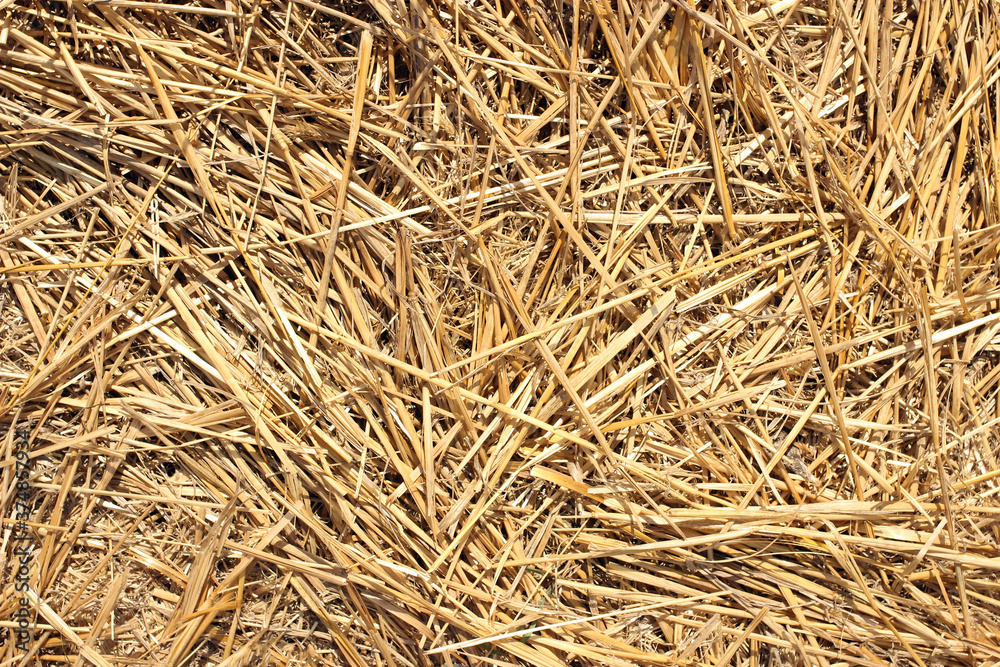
(492, 333)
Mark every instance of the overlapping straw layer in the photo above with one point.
(601, 332)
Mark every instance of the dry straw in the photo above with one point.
(601, 332)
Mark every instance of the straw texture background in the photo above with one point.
(542, 332)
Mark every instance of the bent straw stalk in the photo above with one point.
(599, 332)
